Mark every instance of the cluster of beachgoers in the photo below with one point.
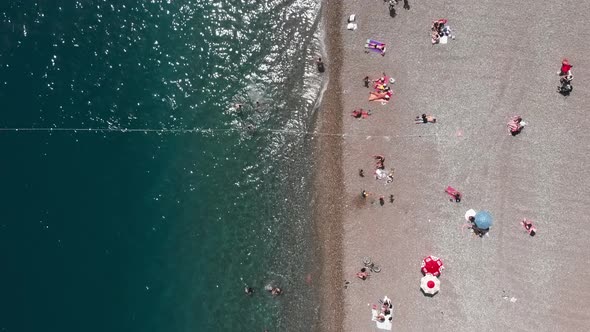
(479, 222)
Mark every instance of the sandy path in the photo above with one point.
(503, 63)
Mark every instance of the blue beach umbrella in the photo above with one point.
(483, 219)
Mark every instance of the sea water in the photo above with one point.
(135, 196)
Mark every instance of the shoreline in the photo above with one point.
(327, 180)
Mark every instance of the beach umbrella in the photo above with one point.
(483, 220)
(430, 284)
(432, 265)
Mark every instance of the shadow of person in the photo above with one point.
(392, 12)
(406, 5)
(426, 294)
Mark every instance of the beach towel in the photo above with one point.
(375, 46)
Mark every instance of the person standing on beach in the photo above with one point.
(364, 194)
(366, 80)
(320, 65)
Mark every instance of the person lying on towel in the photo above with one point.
(379, 47)
(379, 96)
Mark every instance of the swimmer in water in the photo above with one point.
(276, 291)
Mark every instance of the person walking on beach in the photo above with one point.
(366, 80)
(320, 65)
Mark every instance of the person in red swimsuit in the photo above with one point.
(565, 67)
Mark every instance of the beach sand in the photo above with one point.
(327, 180)
(503, 63)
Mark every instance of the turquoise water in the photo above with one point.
(140, 225)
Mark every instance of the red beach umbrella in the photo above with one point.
(432, 265)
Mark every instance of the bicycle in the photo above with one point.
(371, 265)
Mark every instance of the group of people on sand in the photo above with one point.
(382, 90)
(384, 311)
(273, 290)
(439, 30)
(380, 174)
(516, 124)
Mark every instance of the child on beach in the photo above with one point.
(528, 226)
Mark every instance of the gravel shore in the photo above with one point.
(502, 63)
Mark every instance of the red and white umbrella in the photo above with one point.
(432, 265)
(430, 284)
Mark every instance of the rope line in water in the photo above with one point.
(198, 130)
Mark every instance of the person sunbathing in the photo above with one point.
(363, 274)
(360, 113)
(276, 291)
(380, 47)
(381, 87)
(437, 27)
(515, 125)
(380, 96)
(528, 226)
(435, 38)
(425, 119)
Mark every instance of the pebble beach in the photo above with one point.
(502, 63)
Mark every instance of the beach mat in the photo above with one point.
(376, 43)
